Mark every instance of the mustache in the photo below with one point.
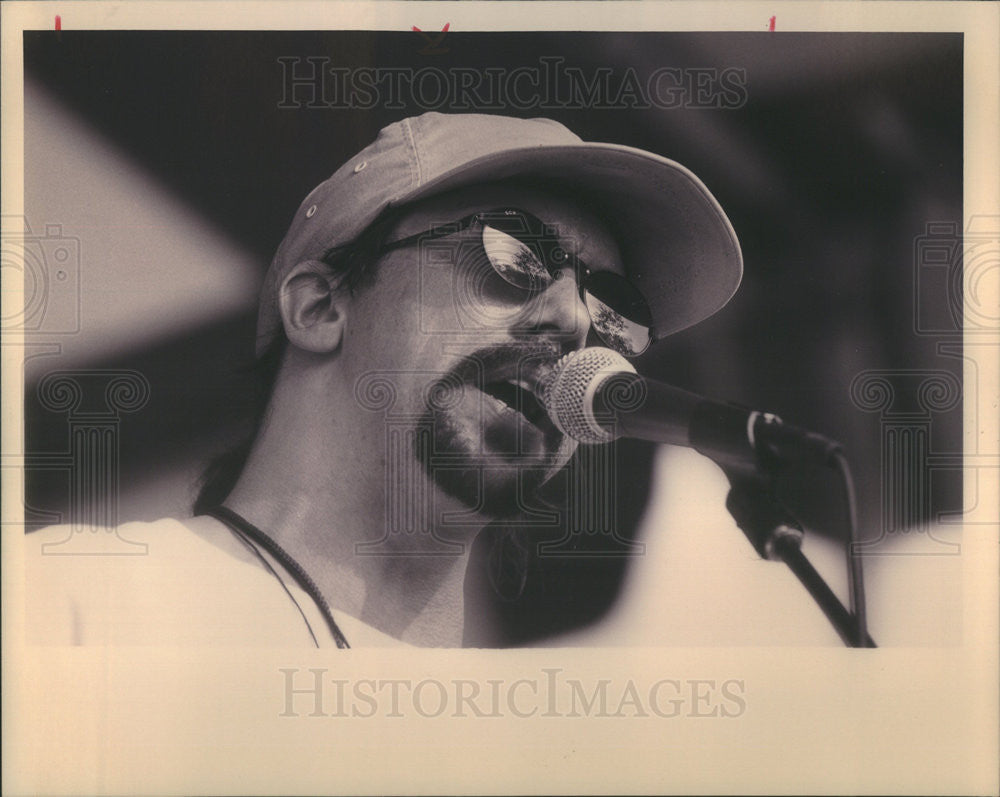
(530, 360)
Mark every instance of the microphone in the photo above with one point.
(594, 395)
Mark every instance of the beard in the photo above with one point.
(492, 454)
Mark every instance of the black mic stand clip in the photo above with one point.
(777, 536)
(771, 528)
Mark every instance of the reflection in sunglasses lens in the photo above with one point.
(514, 260)
(619, 312)
(626, 337)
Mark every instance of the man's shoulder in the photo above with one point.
(166, 582)
(129, 539)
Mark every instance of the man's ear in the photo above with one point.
(313, 309)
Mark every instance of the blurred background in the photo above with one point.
(161, 171)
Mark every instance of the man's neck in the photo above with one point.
(404, 582)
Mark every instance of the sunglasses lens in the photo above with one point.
(514, 260)
(619, 313)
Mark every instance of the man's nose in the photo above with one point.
(559, 311)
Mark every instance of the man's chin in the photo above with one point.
(497, 494)
(497, 485)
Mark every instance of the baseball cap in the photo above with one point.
(678, 247)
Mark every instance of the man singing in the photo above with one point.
(408, 323)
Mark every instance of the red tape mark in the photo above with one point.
(58, 22)
(770, 26)
(447, 25)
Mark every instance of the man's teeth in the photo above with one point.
(509, 389)
(502, 406)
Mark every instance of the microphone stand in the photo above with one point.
(777, 536)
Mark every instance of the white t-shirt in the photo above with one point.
(170, 582)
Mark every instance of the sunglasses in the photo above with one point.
(525, 252)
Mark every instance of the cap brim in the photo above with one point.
(679, 248)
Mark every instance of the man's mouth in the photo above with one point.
(509, 381)
(516, 396)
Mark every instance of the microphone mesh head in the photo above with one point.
(569, 394)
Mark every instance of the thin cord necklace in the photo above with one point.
(243, 526)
